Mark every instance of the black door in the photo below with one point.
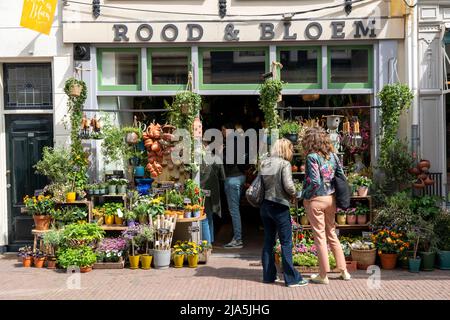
(26, 136)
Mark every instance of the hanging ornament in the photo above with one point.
(198, 128)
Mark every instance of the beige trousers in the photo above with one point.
(321, 213)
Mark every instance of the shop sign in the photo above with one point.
(38, 15)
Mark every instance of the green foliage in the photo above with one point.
(55, 164)
(82, 256)
(130, 215)
(141, 208)
(309, 259)
(111, 208)
(184, 101)
(193, 191)
(88, 232)
(70, 214)
(269, 93)
(442, 230)
(426, 206)
(175, 198)
(113, 143)
(362, 181)
(362, 210)
(289, 127)
(396, 212)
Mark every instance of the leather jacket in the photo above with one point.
(277, 177)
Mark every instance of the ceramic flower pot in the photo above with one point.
(161, 258)
(193, 261)
(51, 263)
(444, 260)
(26, 262)
(122, 189)
(39, 262)
(388, 260)
(414, 264)
(341, 219)
(178, 260)
(86, 269)
(134, 262)
(109, 220)
(428, 259)
(304, 220)
(139, 171)
(196, 214)
(42, 222)
(362, 191)
(71, 196)
(112, 189)
(361, 219)
(187, 215)
(118, 220)
(351, 219)
(146, 261)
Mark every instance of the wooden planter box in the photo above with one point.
(203, 257)
(110, 265)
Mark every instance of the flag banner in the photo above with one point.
(38, 15)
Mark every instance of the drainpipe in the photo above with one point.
(413, 65)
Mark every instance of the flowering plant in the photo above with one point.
(341, 212)
(350, 211)
(362, 181)
(390, 241)
(130, 236)
(25, 252)
(40, 205)
(193, 192)
(204, 245)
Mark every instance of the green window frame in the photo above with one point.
(300, 85)
(231, 86)
(166, 87)
(101, 87)
(352, 85)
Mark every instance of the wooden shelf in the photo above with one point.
(192, 219)
(85, 202)
(108, 195)
(113, 227)
(342, 226)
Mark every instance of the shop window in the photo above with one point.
(28, 86)
(168, 68)
(350, 67)
(226, 68)
(119, 69)
(301, 67)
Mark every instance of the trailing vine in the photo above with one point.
(184, 109)
(269, 92)
(78, 156)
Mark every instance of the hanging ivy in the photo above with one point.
(75, 109)
(269, 93)
(184, 109)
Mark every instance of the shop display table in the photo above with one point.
(189, 229)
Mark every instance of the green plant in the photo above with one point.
(79, 157)
(52, 240)
(70, 214)
(289, 127)
(88, 232)
(121, 182)
(136, 130)
(40, 205)
(341, 212)
(55, 164)
(396, 212)
(193, 191)
(113, 144)
(130, 215)
(362, 210)
(112, 208)
(426, 206)
(362, 181)
(141, 208)
(442, 230)
(82, 256)
(145, 235)
(175, 198)
(269, 92)
(184, 109)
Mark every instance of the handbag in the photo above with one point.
(341, 186)
(255, 193)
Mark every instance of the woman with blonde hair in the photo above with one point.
(320, 204)
(279, 189)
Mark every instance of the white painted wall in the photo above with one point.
(22, 45)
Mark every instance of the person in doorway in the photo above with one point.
(234, 180)
(279, 189)
(211, 174)
(319, 200)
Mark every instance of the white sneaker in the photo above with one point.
(318, 279)
(345, 276)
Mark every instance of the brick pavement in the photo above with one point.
(225, 278)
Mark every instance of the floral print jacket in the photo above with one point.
(319, 174)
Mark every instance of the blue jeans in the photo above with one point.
(276, 218)
(233, 190)
(208, 227)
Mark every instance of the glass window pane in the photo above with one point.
(25, 85)
(299, 66)
(349, 65)
(169, 67)
(120, 68)
(233, 67)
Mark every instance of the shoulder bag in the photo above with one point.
(341, 187)
(255, 193)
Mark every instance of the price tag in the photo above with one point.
(367, 235)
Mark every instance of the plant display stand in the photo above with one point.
(109, 265)
(102, 199)
(38, 235)
(88, 204)
(189, 229)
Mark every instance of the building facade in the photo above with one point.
(128, 51)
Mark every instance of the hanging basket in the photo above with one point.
(75, 90)
(185, 108)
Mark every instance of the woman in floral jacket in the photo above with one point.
(319, 200)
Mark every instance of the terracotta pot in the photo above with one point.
(351, 218)
(424, 164)
(419, 184)
(42, 222)
(361, 219)
(132, 138)
(341, 219)
(26, 262)
(71, 196)
(422, 176)
(85, 269)
(362, 191)
(428, 181)
(39, 262)
(109, 220)
(51, 263)
(178, 260)
(388, 260)
(414, 171)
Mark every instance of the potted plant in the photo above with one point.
(73, 87)
(52, 240)
(178, 256)
(361, 214)
(130, 235)
(110, 250)
(81, 234)
(442, 232)
(41, 208)
(188, 212)
(145, 236)
(196, 211)
(204, 249)
(112, 186)
(351, 215)
(301, 212)
(113, 213)
(38, 258)
(130, 217)
(341, 216)
(364, 253)
(71, 194)
(362, 184)
(192, 255)
(163, 230)
(142, 209)
(389, 243)
(414, 261)
(269, 94)
(289, 130)
(122, 186)
(82, 257)
(26, 253)
(132, 135)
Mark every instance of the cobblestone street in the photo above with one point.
(223, 278)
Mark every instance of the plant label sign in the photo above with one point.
(38, 15)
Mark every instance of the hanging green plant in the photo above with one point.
(184, 109)
(76, 100)
(270, 92)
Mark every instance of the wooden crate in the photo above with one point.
(109, 265)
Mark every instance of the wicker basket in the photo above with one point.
(364, 258)
(75, 90)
